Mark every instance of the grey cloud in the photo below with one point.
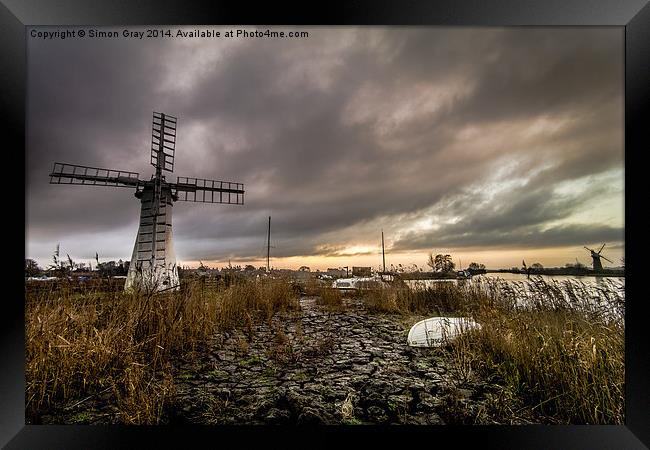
(284, 133)
(528, 237)
(520, 218)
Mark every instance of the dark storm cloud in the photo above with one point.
(542, 71)
(523, 237)
(522, 219)
(89, 103)
(332, 134)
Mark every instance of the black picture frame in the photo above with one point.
(632, 15)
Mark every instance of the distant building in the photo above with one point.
(304, 269)
(361, 271)
(336, 272)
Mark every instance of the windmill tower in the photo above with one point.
(595, 257)
(153, 262)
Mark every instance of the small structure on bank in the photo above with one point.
(361, 271)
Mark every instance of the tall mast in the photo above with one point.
(383, 255)
(268, 247)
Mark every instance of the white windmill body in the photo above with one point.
(154, 268)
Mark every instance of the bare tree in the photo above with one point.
(31, 268)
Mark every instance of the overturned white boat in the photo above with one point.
(438, 331)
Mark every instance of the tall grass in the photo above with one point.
(561, 350)
(331, 298)
(254, 300)
(557, 347)
(442, 298)
(120, 344)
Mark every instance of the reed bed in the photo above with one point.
(557, 348)
(331, 298)
(254, 300)
(439, 299)
(119, 345)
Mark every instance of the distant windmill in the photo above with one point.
(153, 264)
(595, 257)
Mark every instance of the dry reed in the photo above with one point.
(558, 347)
(331, 298)
(81, 345)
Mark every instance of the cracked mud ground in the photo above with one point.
(322, 367)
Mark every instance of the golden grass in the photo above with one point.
(555, 348)
(443, 298)
(248, 301)
(561, 364)
(331, 298)
(81, 345)
(313, 286)
(558, 347)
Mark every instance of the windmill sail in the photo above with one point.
(208, 191)
(163, 141)
(92, 176)
(606, 259)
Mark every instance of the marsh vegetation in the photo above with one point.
(553, 352)
(554, 349)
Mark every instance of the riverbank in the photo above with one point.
(564, 271)
(260, 352)
(315, 366)
(550, 272)
(321, 366)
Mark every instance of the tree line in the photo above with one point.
(65, 267)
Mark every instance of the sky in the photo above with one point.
(493, 145)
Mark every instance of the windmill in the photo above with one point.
(595, 257)
(153, 263)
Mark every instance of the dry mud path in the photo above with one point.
(323, 367)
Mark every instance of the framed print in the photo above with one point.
(240, 219)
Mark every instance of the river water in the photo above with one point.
(518, 277)
(601, 295)
(583, 279)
